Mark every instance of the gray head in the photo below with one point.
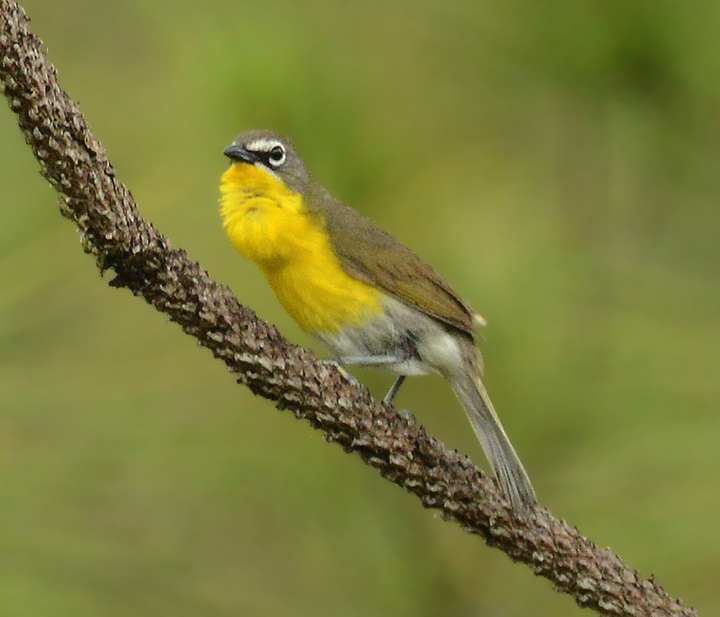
(272, 152)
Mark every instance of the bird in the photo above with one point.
(364, 296)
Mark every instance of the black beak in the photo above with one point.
(239, 153)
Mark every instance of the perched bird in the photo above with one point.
(364, 296)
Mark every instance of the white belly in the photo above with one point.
(421, 343)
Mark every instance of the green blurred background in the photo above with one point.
(556, 161)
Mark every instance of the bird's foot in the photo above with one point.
(408, 416)
(351, 378)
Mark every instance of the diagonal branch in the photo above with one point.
(143, 261)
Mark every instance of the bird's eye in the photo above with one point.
(277, 156)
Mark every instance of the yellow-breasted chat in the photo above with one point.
(367, 298)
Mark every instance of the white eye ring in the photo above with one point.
(277, 155)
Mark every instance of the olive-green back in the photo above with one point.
(372, 255)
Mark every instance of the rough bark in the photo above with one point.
(144, 262)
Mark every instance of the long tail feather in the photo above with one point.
(509, 471)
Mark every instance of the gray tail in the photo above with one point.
(509, 471)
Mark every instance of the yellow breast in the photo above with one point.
(268, 223)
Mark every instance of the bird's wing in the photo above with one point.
(372, 255)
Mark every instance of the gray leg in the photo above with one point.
(369, 360)
(348, 376)
(392, 392)
(379, 361)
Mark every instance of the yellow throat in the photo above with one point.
(270, 224)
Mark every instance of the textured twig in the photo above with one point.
(112, 230)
